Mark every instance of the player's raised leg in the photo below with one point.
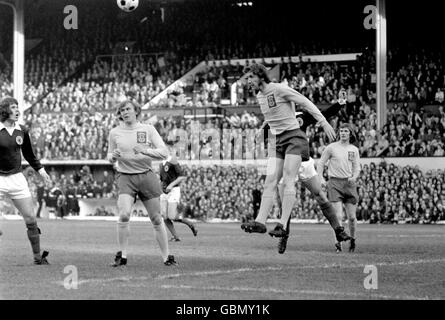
(173, 212)
(313, 184)
(164, 213)
(291, 167)
(25, 206)
(274, 172)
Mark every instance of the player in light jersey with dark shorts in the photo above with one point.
(309, 178)
(14, 141)
(289, 144)
(131, 147)
(343, 171)
(171, 175)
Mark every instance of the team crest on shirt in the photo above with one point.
(271, 101)
(142, 137)
(19, 140)
(351, 155)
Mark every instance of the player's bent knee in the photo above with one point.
(320, 197)
(157, 219)
(30, 220)
(270, 188)
(270, 181)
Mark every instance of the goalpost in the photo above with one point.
(381, 50)
(19, 52)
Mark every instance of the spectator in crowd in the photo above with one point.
(405, 194)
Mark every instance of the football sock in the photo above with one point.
(123, 233)
(265, 207)
(280, 196)
(329, 212)
(352, 226)
(288, 202)
(161, 238)
(34, 238)
(288, 226)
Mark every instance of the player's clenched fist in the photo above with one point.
(116, 154)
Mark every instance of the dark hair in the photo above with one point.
(259, 70)
(5, 110)
(135, 105)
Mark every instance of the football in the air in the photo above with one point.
(128, 5)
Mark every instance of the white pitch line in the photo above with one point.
(242, 270)
(325, 266)
(175, 275)
(217, 272)
(317, 292)
(398, 263)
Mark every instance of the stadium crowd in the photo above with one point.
(109, 80)
(383, 197)
(388, 193)
(83, 135)
(73, 80)
(67, 71)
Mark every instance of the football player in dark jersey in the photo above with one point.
(15, 141)
(171, 175)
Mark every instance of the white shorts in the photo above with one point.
(14, 186)
(172, 197)
(307, 170)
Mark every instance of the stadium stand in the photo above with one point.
(74, 80)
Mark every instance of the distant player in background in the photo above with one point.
(131, 147)
(59, 200)
(277, 101)
(171, 175)
(308, 177)
(343, 171)
(14, 141)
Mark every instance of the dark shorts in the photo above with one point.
(146, 185)
(291, 142)
(342, 190)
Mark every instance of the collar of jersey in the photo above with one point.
(16, 127)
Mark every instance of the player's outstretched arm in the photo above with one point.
(299, 99)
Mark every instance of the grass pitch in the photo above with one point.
(223, 262)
